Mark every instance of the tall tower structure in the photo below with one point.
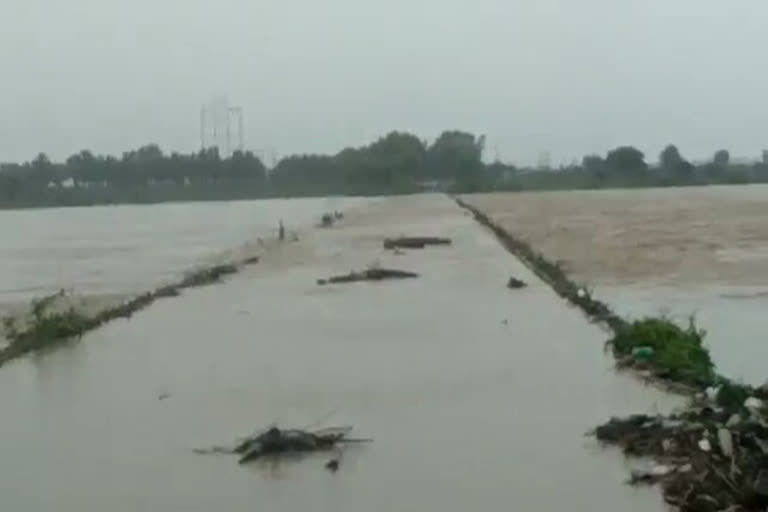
(222, 127)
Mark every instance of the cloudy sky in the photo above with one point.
(563, 76)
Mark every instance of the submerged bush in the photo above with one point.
(46, 328)
(207, 275)
(679, 353)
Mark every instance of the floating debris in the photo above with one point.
(275, 441)
(330, 218)
(515, 283)
(371, 274)
(332, 465)
(415, 242)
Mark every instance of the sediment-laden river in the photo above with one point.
(477, 396)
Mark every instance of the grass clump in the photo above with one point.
(679, 352)
(207, 275)
(732, 395)
(48, 328)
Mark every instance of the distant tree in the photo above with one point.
(593, 163)
(670, 157)
(675, 166)
(626, 160)
(722, 158)
(456, 154)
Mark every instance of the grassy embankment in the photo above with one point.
(669, 353)
(49, 326)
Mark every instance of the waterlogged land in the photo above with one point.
(477, 396)
(683, 251)
(105, 256)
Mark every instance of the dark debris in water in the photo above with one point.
(371, 274)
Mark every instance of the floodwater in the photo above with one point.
(683, 251)
(130, 249)
(733, 317)
(478, 397)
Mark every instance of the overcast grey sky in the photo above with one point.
(565, 76)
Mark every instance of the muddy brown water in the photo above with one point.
(478, 397)
(112, 250)
(681, 251)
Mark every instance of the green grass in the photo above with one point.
(207, 275)
(47, 328)
(680, 354)
(732, 395)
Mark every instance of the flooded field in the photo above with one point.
(108, 250)
(477, 396)
(697, 251)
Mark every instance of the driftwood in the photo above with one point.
(275, 441)
(371, 274)
(415, 242)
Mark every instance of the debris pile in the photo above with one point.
(276, 441)
(414, 242)
(371, 274)
(707, 458)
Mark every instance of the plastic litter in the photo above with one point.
(672, 424)
(661, 470)
(725, 439)
(643, 353)
(705, 445)
(753, 403)
(734, 420)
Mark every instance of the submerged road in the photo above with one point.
(478, 397)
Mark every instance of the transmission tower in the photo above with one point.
(222, 127)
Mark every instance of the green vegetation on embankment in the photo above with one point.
(675, 355)
(48, 326)
(711, 457)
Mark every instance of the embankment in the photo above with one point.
(64, 316)
(712, 456)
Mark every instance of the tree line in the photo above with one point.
(396, 163)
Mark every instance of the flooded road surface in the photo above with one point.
(468, 412)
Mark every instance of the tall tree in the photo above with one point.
(722, 158)
(626, 160)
